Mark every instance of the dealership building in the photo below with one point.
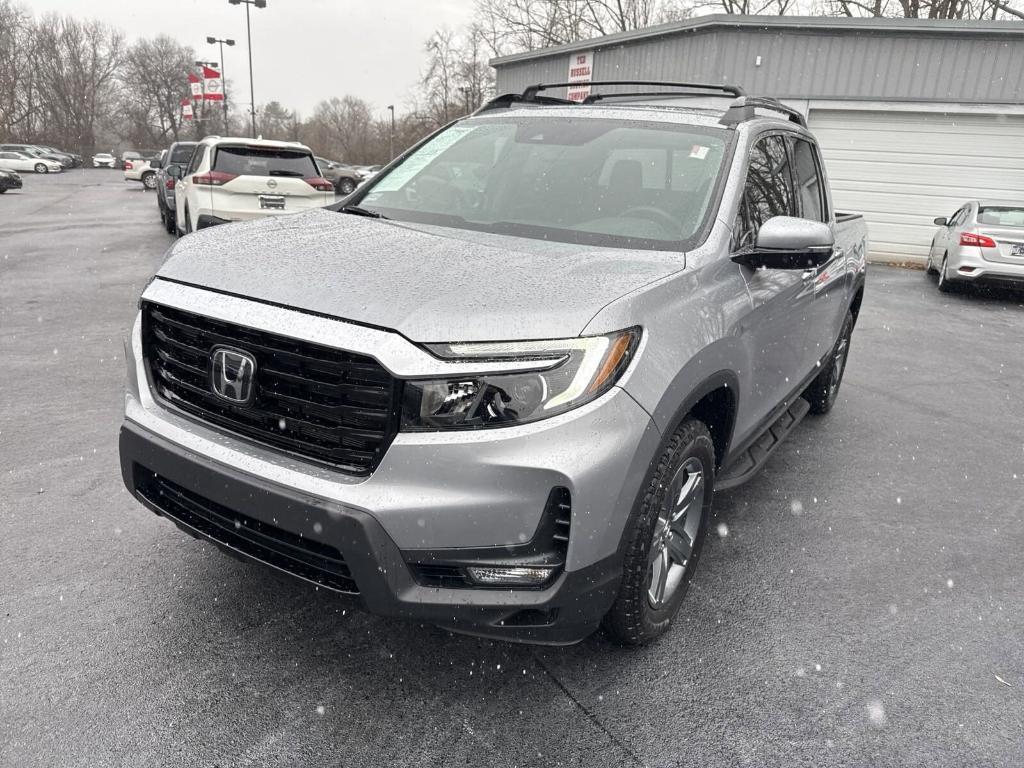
(914, 116)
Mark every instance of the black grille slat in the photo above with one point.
(329, 405)
(308, 559)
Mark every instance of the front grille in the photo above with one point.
(310, 560)
(321, 403)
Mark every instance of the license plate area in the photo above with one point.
(272, 202)
(1017, 249)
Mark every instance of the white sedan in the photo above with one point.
(103, 160)
(19, 161)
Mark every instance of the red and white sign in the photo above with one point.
(581, 69)
(195, 85)
(214, 86)
(186, 109)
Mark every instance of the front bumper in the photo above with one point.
(450, 493)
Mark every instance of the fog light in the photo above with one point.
(519, 576)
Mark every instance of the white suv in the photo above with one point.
(241, 179)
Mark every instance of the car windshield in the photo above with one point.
(596, 181)
(260, 161)
(1001, 215)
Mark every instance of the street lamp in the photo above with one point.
(248, 33)
(224, 78)
(391, 136)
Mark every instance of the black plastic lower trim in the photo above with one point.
(566, 611)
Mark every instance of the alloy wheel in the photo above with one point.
(675, 532)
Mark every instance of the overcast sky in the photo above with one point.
(303, 50)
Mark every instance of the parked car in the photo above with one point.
(75, 160)
(344, 178)
(981, 242)
(141, 170)
(22, 161)
(32, 150)
(142, 154)
(103, 160)
(241, 179)
(9, 180)
(178, 154)
(503, 407)
(367, 172)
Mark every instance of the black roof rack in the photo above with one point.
(743, 109)
(530, 94)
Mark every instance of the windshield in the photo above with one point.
(257, 161)
(596, 181)
(1001, 215)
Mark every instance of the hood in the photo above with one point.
(431, 284)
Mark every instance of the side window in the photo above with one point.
(197, 160)
(807, 177)
(958, 218)
(768, 190)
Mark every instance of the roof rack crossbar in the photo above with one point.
(508, 99)
(530, 93)
(743, 109)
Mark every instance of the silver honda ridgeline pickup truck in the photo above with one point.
(495, 388)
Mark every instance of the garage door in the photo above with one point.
(902, 169)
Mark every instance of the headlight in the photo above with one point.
(569, 373)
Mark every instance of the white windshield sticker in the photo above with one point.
(699, 151)
(399, 177)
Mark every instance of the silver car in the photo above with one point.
(981, 242)
(496, 388)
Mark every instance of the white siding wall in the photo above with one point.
(902, 169)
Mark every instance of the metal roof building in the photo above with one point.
(914, 116)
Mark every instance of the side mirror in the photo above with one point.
(156, 162)
(785, 242)
(174, 171)
(941, 221)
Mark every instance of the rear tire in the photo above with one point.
(822, 392)
(945, 284)
(149, 181)
(665, 537)
(41, 168)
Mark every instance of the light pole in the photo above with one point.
(248, 34)
(391, 135)
(224, 78)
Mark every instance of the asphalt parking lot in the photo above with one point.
(861, 602)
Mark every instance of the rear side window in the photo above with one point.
(197, 159)
(807, 177)
(256, 161)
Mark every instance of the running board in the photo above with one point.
(749, 463)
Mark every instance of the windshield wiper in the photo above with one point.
(355, 210)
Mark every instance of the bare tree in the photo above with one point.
(152, 84)
(17, 93)
(76, 65)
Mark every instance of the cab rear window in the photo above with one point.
(257, 161)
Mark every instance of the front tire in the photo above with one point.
(665, 537)
(346, 187)
(41, 168)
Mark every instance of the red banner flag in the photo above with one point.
(186, 109)
(214, 85)
(196, 86)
